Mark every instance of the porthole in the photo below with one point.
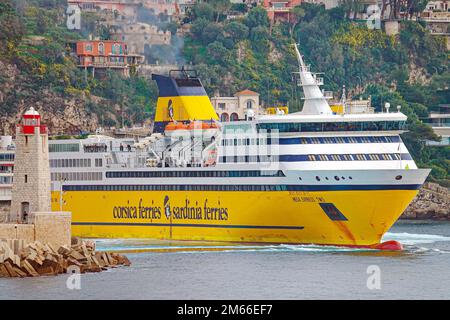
(299, 178)
(343, 178)
(336, 178)
(399, 177)
(317, 178)
(350, 178)
(326, 178)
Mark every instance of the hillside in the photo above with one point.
(36, 69)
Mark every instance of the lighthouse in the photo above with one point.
(31, 181)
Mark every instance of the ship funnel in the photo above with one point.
(181, 97)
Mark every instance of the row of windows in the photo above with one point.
(64, 147)
(317, 157)
(354, 157)
(74, 163)
(70, 163)
(321, 140)
(95, 148)
(76, 176)
(249, 158)
(245, 141)
(333, 126)
(235, 187)
(6, 156)
(330, 140)
(185, 174)
(178, 188)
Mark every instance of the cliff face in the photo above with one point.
(432, 202)
(61, 114)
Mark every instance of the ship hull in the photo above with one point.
(357, 217)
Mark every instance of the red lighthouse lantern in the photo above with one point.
(30, 121)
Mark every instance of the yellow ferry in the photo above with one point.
(307, 177)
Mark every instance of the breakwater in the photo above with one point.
(432, 202)
(18, 259)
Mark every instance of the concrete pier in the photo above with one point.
(45, 227)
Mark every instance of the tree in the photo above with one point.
(211, 32)
(237, 31)
(257, 17)
(260, 38)
(198, 26)
(203, 10)
(220, 7)
(298, 12)
(217, 51)
(414, 7)
(172, 27)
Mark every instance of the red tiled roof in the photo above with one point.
(247, 93)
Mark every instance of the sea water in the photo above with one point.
(193, 270)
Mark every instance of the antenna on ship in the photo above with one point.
(343, 99)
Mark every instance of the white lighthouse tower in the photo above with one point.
(31, 184)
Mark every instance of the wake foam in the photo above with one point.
(414, 238)
(409, 239)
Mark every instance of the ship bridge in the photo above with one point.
(308, 124)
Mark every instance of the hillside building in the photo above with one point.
(237, 107)
(140, 36)
(280, 10)
(101, 55)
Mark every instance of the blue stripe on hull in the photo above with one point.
(184, 225)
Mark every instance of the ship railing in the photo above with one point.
(318, 79)
(305, 68)
(327, 94)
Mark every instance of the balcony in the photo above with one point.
(438, 16)
(104, 64)
(318, 79)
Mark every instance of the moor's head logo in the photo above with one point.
(170, 109)
(167, 207)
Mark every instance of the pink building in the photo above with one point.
(280, 9)
(106, 54)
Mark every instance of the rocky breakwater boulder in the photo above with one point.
(432, 202)
(36, 259)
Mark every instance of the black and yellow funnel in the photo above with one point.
(181, 98)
